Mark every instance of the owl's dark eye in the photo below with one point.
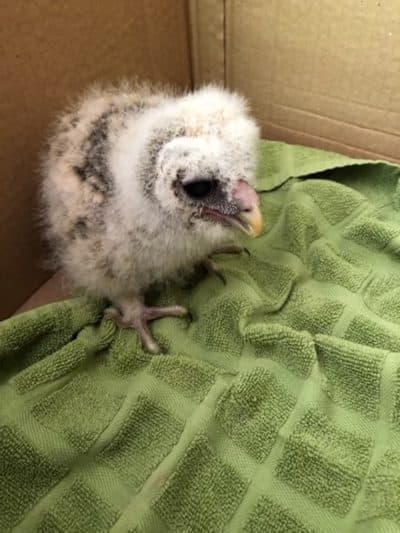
(199, 189)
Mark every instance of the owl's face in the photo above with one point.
(208, 180)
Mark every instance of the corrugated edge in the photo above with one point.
(207, 41)
(194, 38)
(228, 17)
(190, 40)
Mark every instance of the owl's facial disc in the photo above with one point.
(239, 209)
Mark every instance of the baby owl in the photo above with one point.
(139, 185)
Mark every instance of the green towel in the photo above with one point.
(277, 409)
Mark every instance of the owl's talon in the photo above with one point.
(213, 268)
(138, 316)
(231, 249)
(115, 315)
(221, 276)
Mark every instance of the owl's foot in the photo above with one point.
(136, 315)
(212, 267)
(231, 249)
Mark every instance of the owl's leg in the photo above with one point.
(133, 313)
(231, 248)
(212, 267)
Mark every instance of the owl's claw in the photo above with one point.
(213, 268)
(137, 318)
(231, 249)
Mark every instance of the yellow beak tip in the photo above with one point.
(256, 222)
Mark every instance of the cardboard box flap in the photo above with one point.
(207, 28)
(324, 74)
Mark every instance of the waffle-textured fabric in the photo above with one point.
(276, 409)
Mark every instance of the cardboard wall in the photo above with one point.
(50, 51)
(322, 73)
(207, 32)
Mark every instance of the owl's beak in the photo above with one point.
(242, 211)
(249, 218)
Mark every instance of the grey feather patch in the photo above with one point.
(105, 265)
(81, 228)
(218, 200)
(74, 121)
(159, 138)
(95, 169)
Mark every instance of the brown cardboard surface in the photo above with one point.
(322, 73)
(53, 290)
(50, 51)
(207, 20)
(317, 72)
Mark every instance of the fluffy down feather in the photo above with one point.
(119, 205)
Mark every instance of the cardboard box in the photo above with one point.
(316, 72)
(50, 52)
